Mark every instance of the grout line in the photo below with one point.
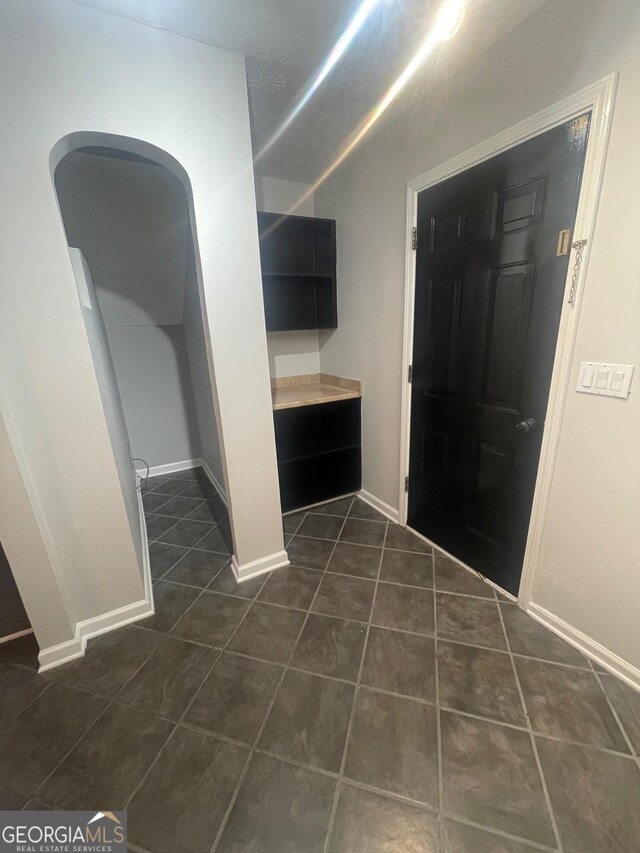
(441, 827)
(532, 739)
(47, 685)
(267, 714)
(615, 713)
(75, 744)
(354, 702)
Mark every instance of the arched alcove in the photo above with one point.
(127, 209)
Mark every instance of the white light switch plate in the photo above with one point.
(607, 380)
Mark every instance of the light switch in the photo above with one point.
(602, 378)
(606, 380)
(617, 380)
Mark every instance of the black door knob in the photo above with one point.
(527, 425)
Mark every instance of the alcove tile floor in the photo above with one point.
(374, 696)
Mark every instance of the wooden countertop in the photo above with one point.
(290, 392)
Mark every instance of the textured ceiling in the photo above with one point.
(285, 41)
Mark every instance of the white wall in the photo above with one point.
(100, 73)
(109, 394)
(130, 219)
(290, 353)
(589, 572)
(204, 404)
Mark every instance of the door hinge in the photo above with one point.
(406, 483)
(410, 373)
(414, 238)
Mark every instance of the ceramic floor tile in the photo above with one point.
(152, 501)
(470, 620)
(626, 702)
(404, 608)
(19, 686)
(197, 568)
(235, 698)
(217, 540)
(595, 797)
(225, 582)
(268, 632)
(108, 764)
(162, 557)
(321, 526)
(212, 619)
(200, 489)
(407, 568)
(528, 637)
(401, 663)
(186, 533)
(291, 587)
(479, 681)
(213, 511)
(309, 553)
(23, 651)
(280, 809)
(359, 560)
(152, 483)
(157, 525)
(450, 577)
(344, 596)
(170, 600)
(361, 532)
(169, 679)
(491, 778)
(35, 743)
(393, 746)
(460, 838)
(569, 704)
(183, 800)
(330, 646)
(361, 509)
(340, 507)
(11, 800)
(180, 507)
(291, 522)
(369, 823)
(404, 540)
(171, 488)
(309, 719)
(110, 660)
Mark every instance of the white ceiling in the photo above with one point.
(285, 41)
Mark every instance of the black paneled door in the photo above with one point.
(490, 280)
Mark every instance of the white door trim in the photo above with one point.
(599, 99)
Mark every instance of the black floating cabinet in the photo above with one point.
(298, 257)
(319, 454)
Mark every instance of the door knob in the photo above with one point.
(527, 425)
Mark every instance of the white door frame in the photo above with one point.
(599, 99)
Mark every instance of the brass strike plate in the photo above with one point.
(564, 242)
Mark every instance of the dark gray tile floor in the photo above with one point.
(373, 698)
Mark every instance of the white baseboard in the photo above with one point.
(259, 567)
(72, 649)
(592, 649)
(171, 467)
(214, 481)
(16, 636)
(379, 504)
(175, 467)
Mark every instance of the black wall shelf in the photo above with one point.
(298, 257)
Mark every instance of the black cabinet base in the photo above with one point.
(319, 454)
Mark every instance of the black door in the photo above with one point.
(489, 291)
